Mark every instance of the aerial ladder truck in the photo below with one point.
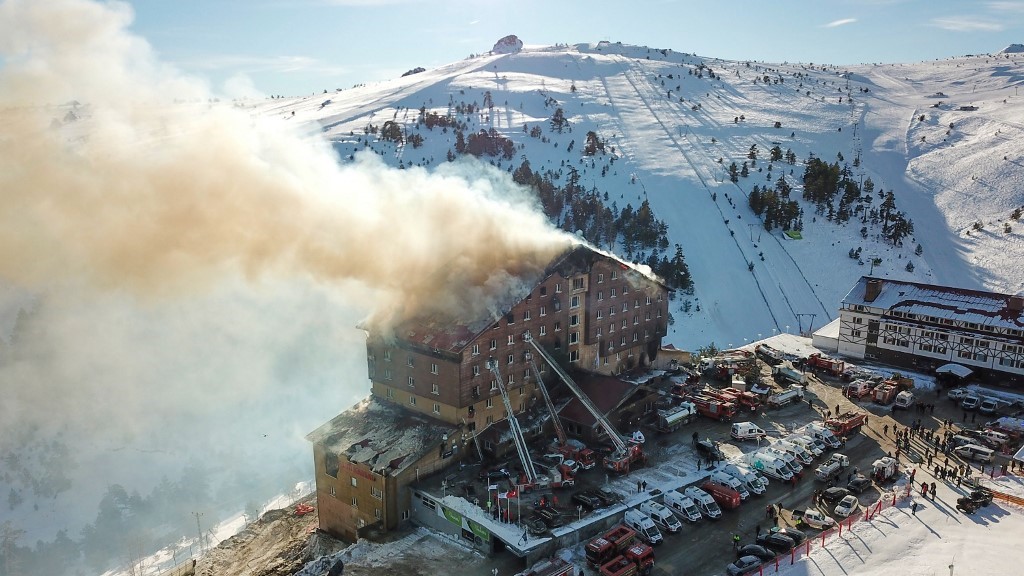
(513, 423)
(624, 455)
(568, 447)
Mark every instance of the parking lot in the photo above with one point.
(704, 548)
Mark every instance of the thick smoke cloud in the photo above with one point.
(196, 273)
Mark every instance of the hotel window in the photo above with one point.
(494, 386)
(648, 300)
(600, 295)
(636, 303)
(558, 287)
(543, 290)
(598, 332)
(355, 502)
(354, 481)
(611, 293)
(412, 382)
(511, 379)
(623, 322)
(622, 341)
(625, 288)
(574, 302)
(636, 320)
(387, 373)
(494, 344)
(543, 311)
(625, 306)
(600, 314)
(433, 368)
(437, 408)
(511, 358)
(410, 361)
(543, 330)
(490, 402)
(615, 275)
(476, 370)
(476, 349)
(412, 400)
(635, 337)
(855, 333)
(387, 355)
(574, 337)
(647, 316)
(574, 356)
(333, 492)
(376, 513)
(611, 310)
(526, 316)
(574, 320)
(511, 339)
(435, 389)
(510, 318)
(577, 283)
(391, 393)
(558, 326)
(600, 278)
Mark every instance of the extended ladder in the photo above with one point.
(513, 423)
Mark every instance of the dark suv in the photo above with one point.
(709, 450)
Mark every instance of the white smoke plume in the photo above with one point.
(196, 273)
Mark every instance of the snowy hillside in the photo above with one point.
(673, 123)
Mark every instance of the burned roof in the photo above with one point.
(940, 302)
(444, 334)
(384, 436)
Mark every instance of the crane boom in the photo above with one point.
(559, 431)
(513, 423)
(610, 430)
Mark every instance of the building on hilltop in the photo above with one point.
(431, 380)
(591, 309)
(923, 326)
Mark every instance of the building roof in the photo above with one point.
(442, 334)
(942, 302)
(384, 436)
(606, 392)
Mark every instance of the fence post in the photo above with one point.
(792, 556)
(840, 530)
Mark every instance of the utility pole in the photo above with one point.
(199, 530)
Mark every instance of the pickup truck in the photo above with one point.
(814, 519)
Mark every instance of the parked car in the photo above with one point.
(848, 505)
(858, 484)
(957, 394)
(780, 543)
(969, 402)
(710, 450)
(832, 496)
(743, 566)
(797, 536)
(494, 474)
(606, 496)
(536, 526)
(756, 550)
(588, 499)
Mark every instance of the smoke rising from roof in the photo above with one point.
(193, 267)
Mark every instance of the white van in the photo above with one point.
(643, 525)
(996, 438)
(770, 465)
(803, 456)
(787, 458)
(974, 452)
(746, 431)
(721, 477)
(682, 506)
(820, 432)
(806, 443)
(755, 483)
(705, 503)
(904, 400)
(662, 516)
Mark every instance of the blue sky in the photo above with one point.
(294, 47)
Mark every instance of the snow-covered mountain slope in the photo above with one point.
(942, 136)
